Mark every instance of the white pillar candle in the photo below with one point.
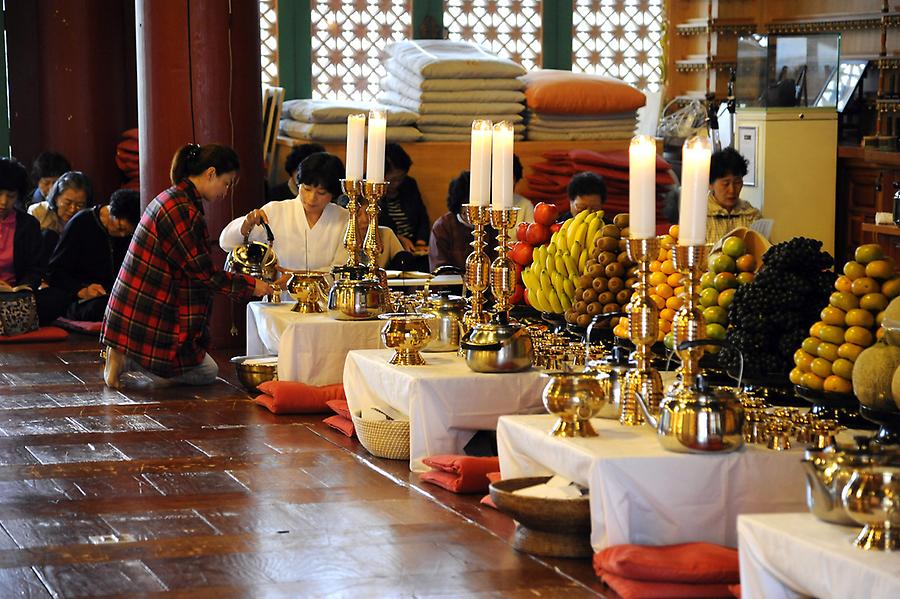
(356, 139)
(375, 148)
(502, 166)
(480, 163)
(642, 187)
(695, 157)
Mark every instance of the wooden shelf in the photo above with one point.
(889, 230)
(870, 155)
(723, 26)
(834, 22)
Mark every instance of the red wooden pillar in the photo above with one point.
(199, 81)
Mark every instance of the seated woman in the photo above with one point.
(87, 259)
(390, 253)
(20, 234)
(450, 236)
(47, 168)
(71, 192)
(309, 229)
(725, 209)
(402, 208)
(586, 191)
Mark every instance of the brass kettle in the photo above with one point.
(255, 258)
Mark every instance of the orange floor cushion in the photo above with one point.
(42, 334)
(564, 92)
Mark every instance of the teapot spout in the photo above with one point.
(645, 410)
(820, 494)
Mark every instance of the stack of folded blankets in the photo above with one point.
(686, 570)
(326, 120)
(127, 159)
(548, 180)
(450, 84)
(579, 106)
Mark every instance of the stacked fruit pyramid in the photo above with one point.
(770, 316)
(848, 324)
(666, 287)
(557, 266)
(605, 284)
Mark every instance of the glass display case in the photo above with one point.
(788, 70)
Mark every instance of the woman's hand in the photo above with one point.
(254, 218)
(261, 288)
(407, 243)
(91, 291)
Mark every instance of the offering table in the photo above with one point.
(311, 348)
(796, 555)
(445, 400)
(641, 493)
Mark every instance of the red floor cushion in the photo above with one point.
(344, 425)
(685, 562)
(42, 334)
(637, 589)
(289, 397)
(460, 473)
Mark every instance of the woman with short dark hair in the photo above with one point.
(309, 229)
(402, 208)
(20, 234)
(156, 319)
(46, 169)
(725, 209)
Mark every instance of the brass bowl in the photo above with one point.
(308, 289)
(548, 527)
(405, 333)
(575, 397)
(872, 498)
(253, 375)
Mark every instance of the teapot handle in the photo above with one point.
(269, 236)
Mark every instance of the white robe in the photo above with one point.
(293, 235)
(390, 247)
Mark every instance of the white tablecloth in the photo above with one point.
(641, 493)
(796, 555)
(446, 402)
(311, 347)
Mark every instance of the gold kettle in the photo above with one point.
(255, 258)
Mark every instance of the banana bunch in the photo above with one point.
(551, 279)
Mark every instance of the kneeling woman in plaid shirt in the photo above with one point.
(156, 319)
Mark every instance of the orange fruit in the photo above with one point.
(864, 285)
(659, 301)
(664, 291)
(656, 278)
(837, 384)
(874, 302)
(859, 318)
(811, 345)
(665, 326)
(843, 284)
(832, 315)
(854, 270)
(849, 351)
(843, 300)
(654, 265)
(803, 360)
(746, 263)
(667, 314)
(891, 288)
(880, 269)
(859, 336)
(745, 277)
(832, 334)
(868, 252)
(726, 297)
(811, 381)
(796, 376)
(674, 302)
(667, 267)
(816, 329)
(667, 242)
(843, 368)
(673, 231)
(674, 280)
(821, 367)
(827, 350)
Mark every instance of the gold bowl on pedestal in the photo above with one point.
(405, 333)
(308, 289)
(575, 397)
(872, 498)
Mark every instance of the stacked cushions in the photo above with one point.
(128, 159)
(326, 120)
(289, 397)
(341, 419)
(460, 473)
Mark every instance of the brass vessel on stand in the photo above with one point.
(643, 323)
(477, 267)
(406, 334)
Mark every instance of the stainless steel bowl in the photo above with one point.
(357, 300)
(497, 347)
(253, 375)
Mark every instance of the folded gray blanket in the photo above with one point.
(443, 59)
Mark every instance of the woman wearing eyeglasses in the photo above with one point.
(156, 318)
(70, 193)
(309, 229)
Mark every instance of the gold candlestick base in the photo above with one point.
(373, 192)
(643, 323)
(689, 324)
(353, 189)
(503, 273)
(477, 269)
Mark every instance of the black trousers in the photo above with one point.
(53, 303)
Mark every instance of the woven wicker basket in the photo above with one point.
(383, 438)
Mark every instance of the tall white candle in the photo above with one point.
(356, 139)
(375, 149)
(695, 157)
(480, 163)
(642, 187)
(502, 165)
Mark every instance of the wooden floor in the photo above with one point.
(200, 493)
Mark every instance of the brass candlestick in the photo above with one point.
(503, 273)
(353, 189)
(477, 268)
(373, 192)
(689, 325)
(643, 324)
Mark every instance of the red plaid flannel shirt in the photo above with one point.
(158, 307)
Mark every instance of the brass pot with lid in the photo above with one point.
(255, 258)
(498, 346)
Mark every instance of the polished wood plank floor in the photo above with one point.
(199, 493)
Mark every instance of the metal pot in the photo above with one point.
(361, 299)
(615, 365)
(444, 313)
(308, 289)
(575, 397)
(872, 498)
(254, 258)
(497, 347)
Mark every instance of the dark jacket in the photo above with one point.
(450, 243)
(27, 250)
(86, 254)
(411, 203)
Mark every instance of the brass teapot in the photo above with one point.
(255, 258)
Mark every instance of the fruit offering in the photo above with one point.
(848, 324)
(770, 316)
(606, 280)
(556, 266)
(529, 235)
(666, 289)
(728, 269)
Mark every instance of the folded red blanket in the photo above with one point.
(735, 590)
(687, 563)
(460, 473)
(635, 589)
(611, 159)
(289, 397)
(340, 407)
(42, 334)
(345, 425)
